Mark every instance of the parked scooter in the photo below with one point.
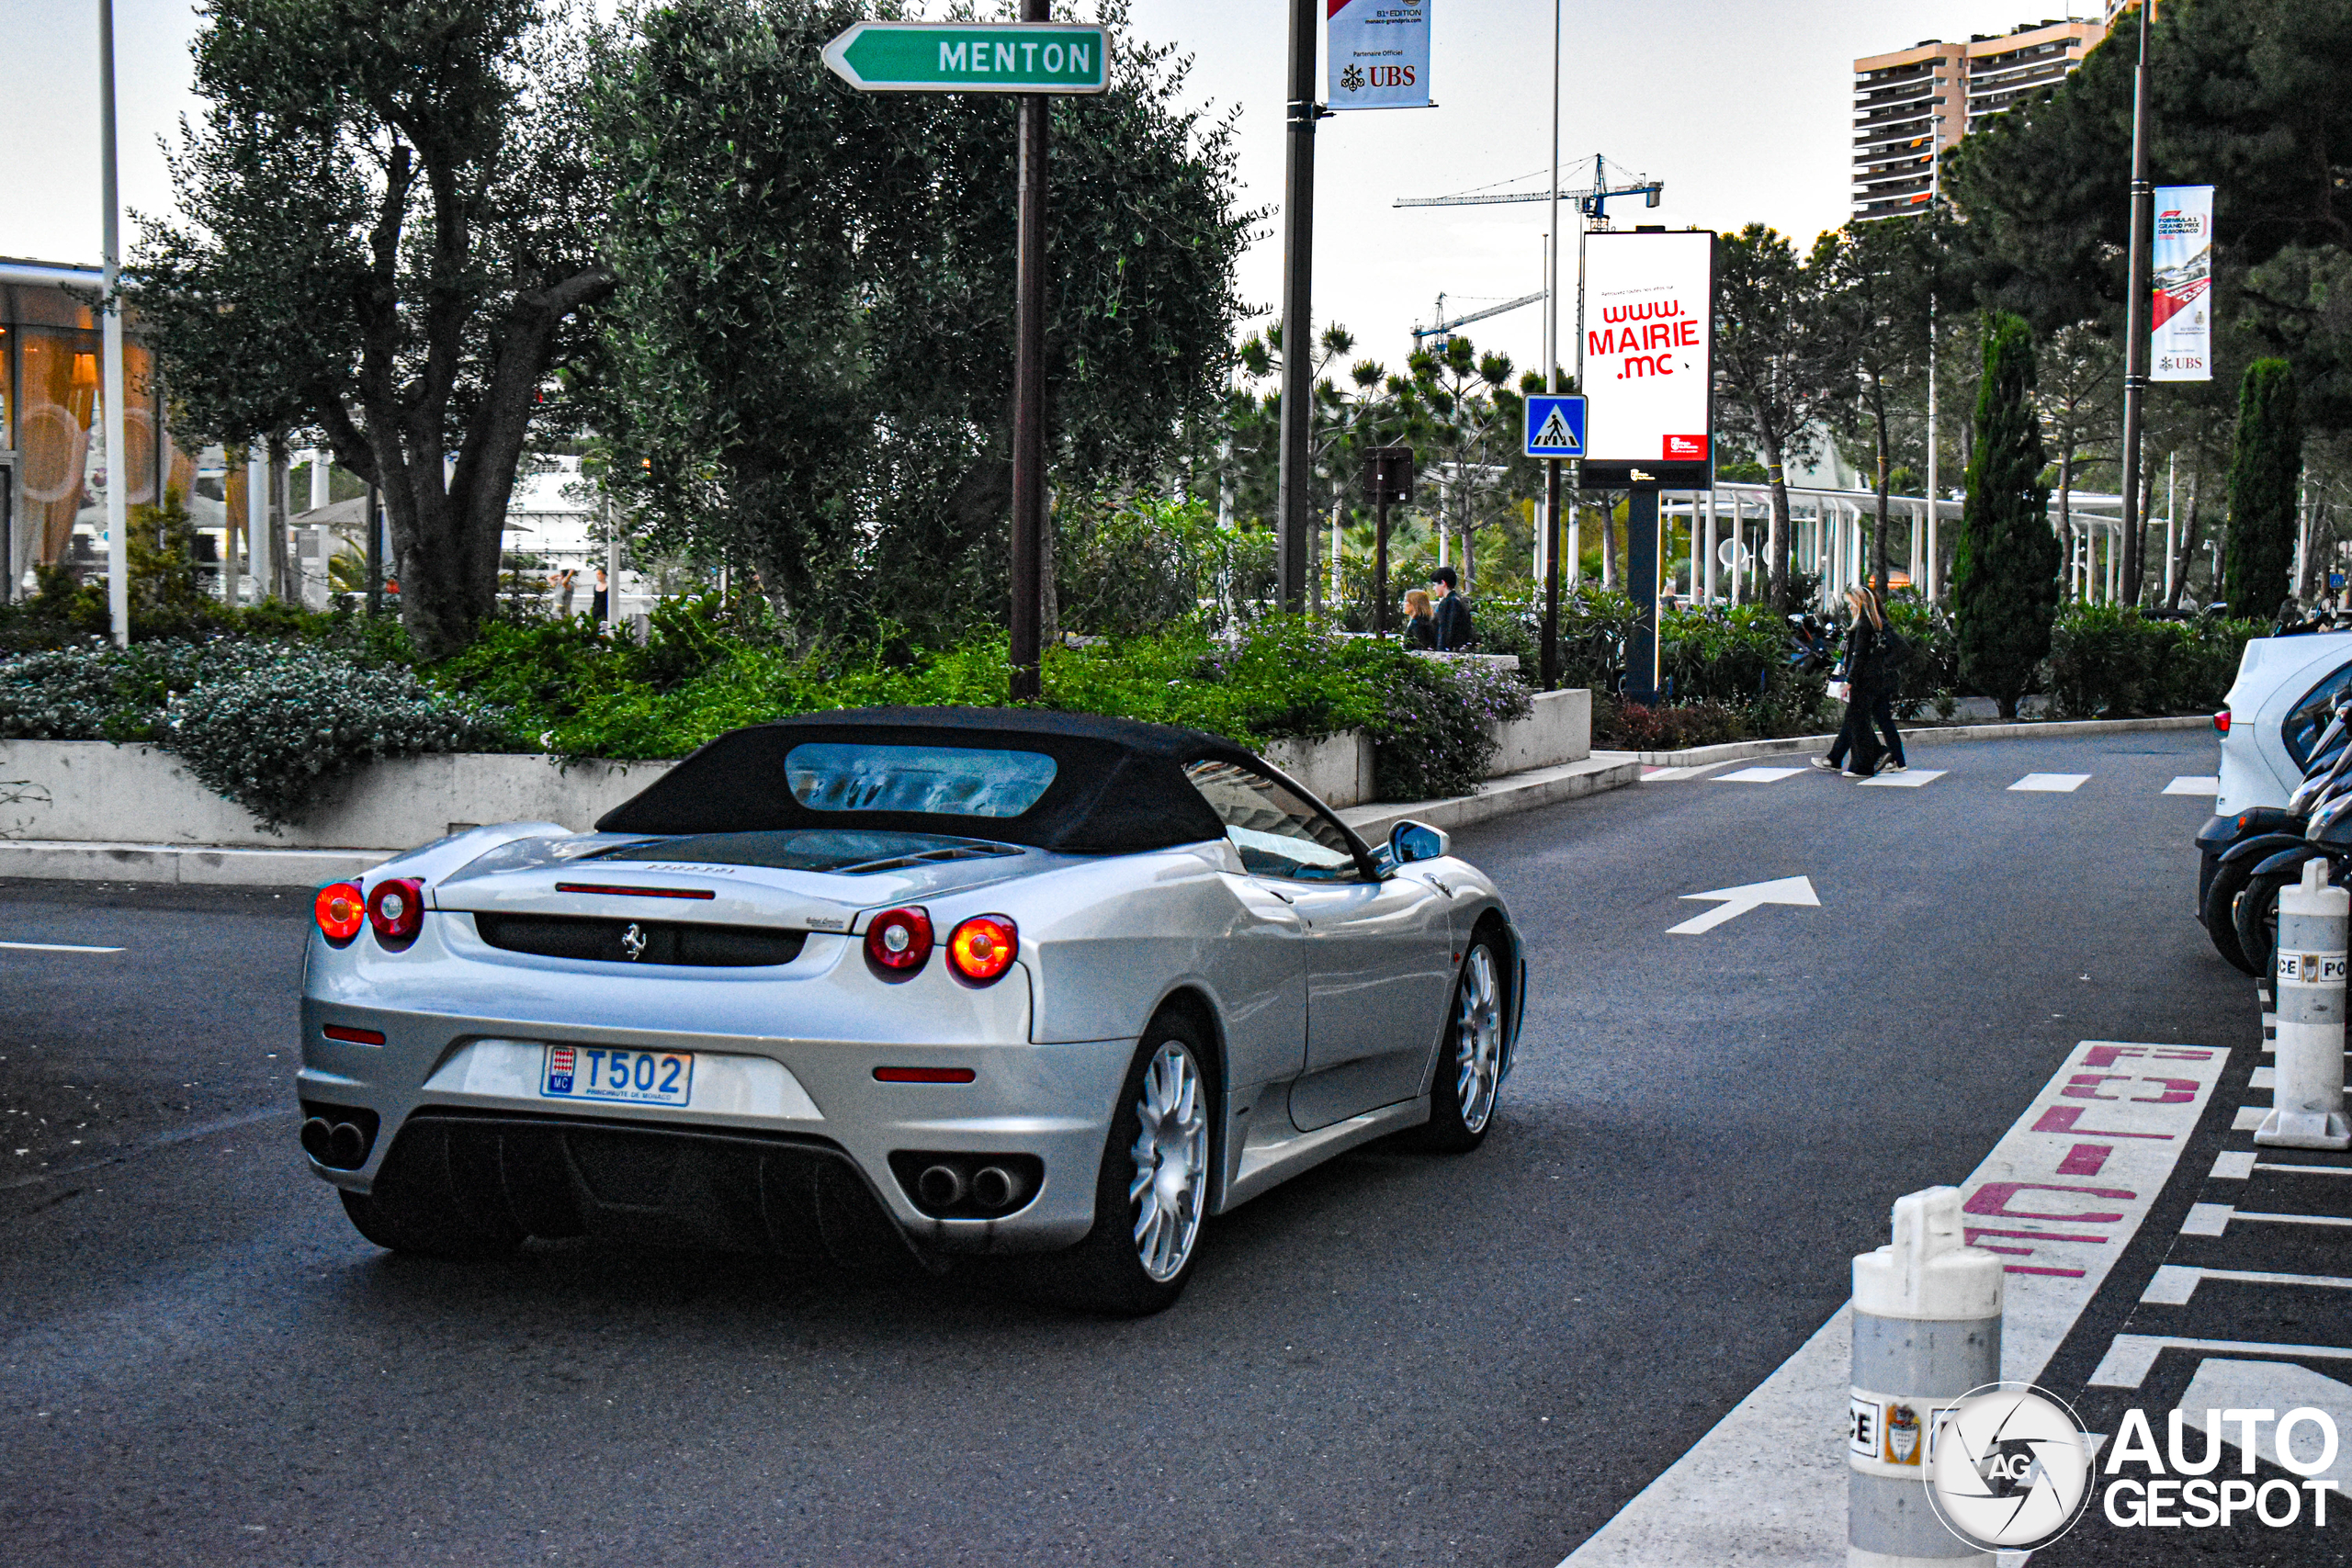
(2236, 849)
(2256, 917)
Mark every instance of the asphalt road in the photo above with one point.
(1399, 1359)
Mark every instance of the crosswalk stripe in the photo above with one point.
(2194, 783)
(2050, 784)
(1757, 775)
(1911, 779)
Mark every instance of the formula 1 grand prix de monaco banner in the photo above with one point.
(2181, 262)
(1379, 57)
(1649, 359)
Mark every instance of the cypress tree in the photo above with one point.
(2263, 472)
(2004, 572)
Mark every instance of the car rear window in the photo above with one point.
(2310, 716)
(950, 780)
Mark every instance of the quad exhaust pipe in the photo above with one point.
(993, 1187)
(940, 1186)
(343, 1146)
(954, 1186)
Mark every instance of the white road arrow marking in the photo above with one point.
(1737, 901)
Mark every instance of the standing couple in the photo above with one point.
(1870, 676)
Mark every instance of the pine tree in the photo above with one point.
(2005, 573)
(2263, 474)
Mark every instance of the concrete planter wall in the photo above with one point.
(1339, 767)
(88, 791)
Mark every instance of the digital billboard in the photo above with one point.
(1649, 357)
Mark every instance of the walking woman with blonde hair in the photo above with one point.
(1869, 680)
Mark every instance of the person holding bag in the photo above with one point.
(1866, 679)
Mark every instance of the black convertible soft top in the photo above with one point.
(1118, 786)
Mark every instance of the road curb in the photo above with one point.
(1732, 752)
(77, 860)
(68, 860)
(1504, 796)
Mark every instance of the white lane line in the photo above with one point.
(1767, 1484)
(2194, 783)
(2175, 1282)
(2306, 1170)
(2248, 1117)
(2263, 1077)
(2131, 1357)
(1757, 775)
(2050, 784)
(53, 947)
(1911, 779)
(2231, 1165)
(2215, 1219)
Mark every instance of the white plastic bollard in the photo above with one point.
(1927, 1330)
(2307, 1102)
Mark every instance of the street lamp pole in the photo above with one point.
(1549, 660)
(2136, 302)
(118, 470)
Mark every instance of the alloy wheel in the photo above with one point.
(1172, 1162)
(1477, 1039)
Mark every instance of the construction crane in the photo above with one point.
(1445, 326)
(1592, 200)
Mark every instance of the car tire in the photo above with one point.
(1151, 1189)
(1467, 1084)
(2220, 906)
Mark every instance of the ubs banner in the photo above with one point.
(2181, 314)
(1380, 54)
(1649, 359)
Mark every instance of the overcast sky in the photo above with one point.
(1743, 109)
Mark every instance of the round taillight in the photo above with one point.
(396, 909)
(2221, 721)
(898, 941)
(983, 947)
(342, 909)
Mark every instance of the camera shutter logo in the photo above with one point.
(2008, 1468)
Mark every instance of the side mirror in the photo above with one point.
(1410, 841)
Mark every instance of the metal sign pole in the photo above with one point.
(2135, 300)
(1292, 515)
(1548, 659)
(1029, 392)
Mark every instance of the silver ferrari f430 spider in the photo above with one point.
(1047, 986)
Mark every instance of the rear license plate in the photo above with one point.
(642, 1077)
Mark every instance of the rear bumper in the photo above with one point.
(769, 1117)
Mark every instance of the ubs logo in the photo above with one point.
(633, 942)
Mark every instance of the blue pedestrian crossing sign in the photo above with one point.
(1555, 425)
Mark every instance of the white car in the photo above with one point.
(956, 980)
(2275, 710)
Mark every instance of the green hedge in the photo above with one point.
(2106, 661)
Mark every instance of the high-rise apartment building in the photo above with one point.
(1911, 105)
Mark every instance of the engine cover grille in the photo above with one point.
(608, 941)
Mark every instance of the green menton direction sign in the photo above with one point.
(971, 57)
